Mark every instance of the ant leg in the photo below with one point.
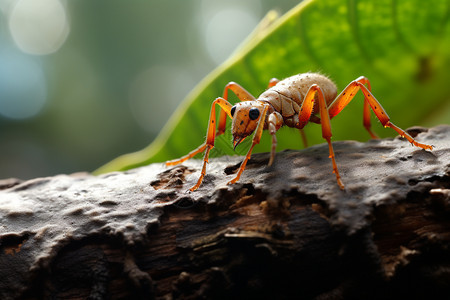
(366, 119)
(347, 95)
(275, 122)
(244, 95)
(305, 114)
(210, 137)
(255, 140)
(191, 154)
(385, 121)
(366, 109)
(241, 93)
(226, 108)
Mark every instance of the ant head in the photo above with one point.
(245, 119)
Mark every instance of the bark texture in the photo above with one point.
(282, 232)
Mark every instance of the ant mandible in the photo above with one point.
(293, 102)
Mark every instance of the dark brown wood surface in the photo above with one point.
(282, 232)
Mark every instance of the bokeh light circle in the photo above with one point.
(23, 87)
(38, 27)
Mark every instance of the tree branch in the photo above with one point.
(282, 231)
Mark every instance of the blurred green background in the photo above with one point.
(84, 81)
(403, 47)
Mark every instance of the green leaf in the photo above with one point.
(403, 47)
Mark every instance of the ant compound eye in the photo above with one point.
(233, 109)
(253, 113)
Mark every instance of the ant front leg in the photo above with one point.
(305, 114)
(255, 140)
(210, 137)
(369, 101)
(243, 95)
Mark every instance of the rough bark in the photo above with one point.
(285, 231)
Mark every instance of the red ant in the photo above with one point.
(293, 102)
